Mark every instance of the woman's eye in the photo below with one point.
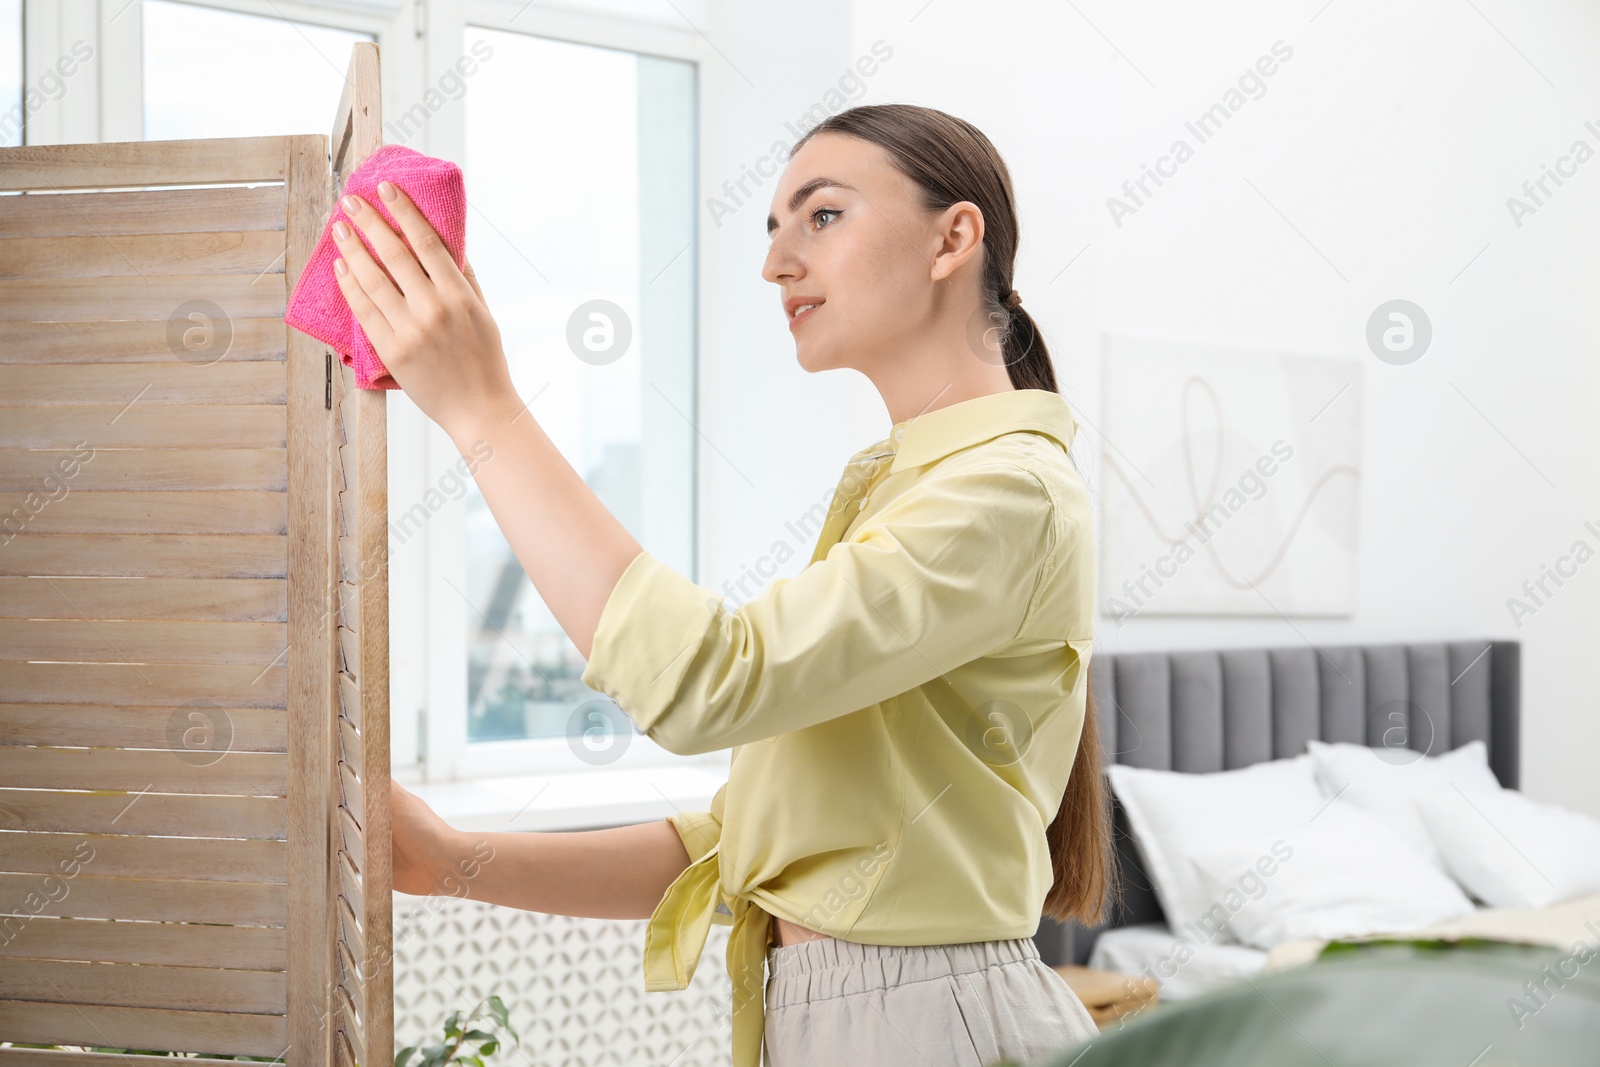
(821, 211)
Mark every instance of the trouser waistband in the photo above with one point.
(830, 967)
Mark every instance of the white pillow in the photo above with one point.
(1513, 852)
(1345, 874)
(1175, 814)
(1384, 783)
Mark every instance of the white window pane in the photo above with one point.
(12, 115)
(210, 73)
(587, 196)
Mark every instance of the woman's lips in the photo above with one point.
(803, 316)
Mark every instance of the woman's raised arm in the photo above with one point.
(435, 335)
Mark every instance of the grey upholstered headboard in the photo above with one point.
(1215, 710)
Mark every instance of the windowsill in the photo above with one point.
(589, 800)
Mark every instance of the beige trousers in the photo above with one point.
(830, 1003)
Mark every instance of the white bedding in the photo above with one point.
(1560, 926)
(1154, 951)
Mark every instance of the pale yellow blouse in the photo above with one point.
(903, 713)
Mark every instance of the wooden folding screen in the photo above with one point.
(194, 827)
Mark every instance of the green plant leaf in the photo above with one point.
(404, 1055)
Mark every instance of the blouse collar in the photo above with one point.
(935, 434)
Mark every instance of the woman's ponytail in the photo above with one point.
(1080, 836)
(1023, 348)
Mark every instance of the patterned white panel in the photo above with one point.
(574, 987)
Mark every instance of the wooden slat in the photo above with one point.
(351, 982)
(353, 569)
(206, 859)
(160, 295)
(350, 606)
(229, 1033)
(235, 774)
(135, 424)
(209, 685)
(350, 884)
(209, 161)
(346, 1052)
(164, 814)
(351, 791)
(152, 985)
(76, 640)
(349, 1022)
(145, 255)
(243, 208)
(350, 931)
(146, 555)
(153, 726)
(186, 469)
(349, 696)
(171, 382)
(242, 599)
(349, 452)
(347, 505)
(350, 833)
(349, 652)
(345, 403)
(113, 511)
(349, 559)
(350, 741)
(252, 948)
(130, 341)
(169, 900)
(39, 1057)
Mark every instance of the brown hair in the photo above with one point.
(950, 161)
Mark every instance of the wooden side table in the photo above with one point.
(1109, 995)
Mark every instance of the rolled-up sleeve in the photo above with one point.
(943, 574)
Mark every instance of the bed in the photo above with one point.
(1216, 710)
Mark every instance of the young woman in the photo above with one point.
(916, 770)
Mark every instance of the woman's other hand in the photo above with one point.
(425, 847)
(434, 332)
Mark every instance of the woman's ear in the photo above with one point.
(958, 233)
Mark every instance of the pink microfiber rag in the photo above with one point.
(318, 307)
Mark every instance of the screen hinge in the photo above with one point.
(327, 389)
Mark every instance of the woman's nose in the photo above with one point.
(781, 263)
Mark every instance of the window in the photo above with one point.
(581, 231)
(213, 73)
(578, 134)
(13, 115)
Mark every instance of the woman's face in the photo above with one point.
(857, 245)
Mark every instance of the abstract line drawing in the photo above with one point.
(1232, 480)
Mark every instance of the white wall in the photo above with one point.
(1391, 139)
